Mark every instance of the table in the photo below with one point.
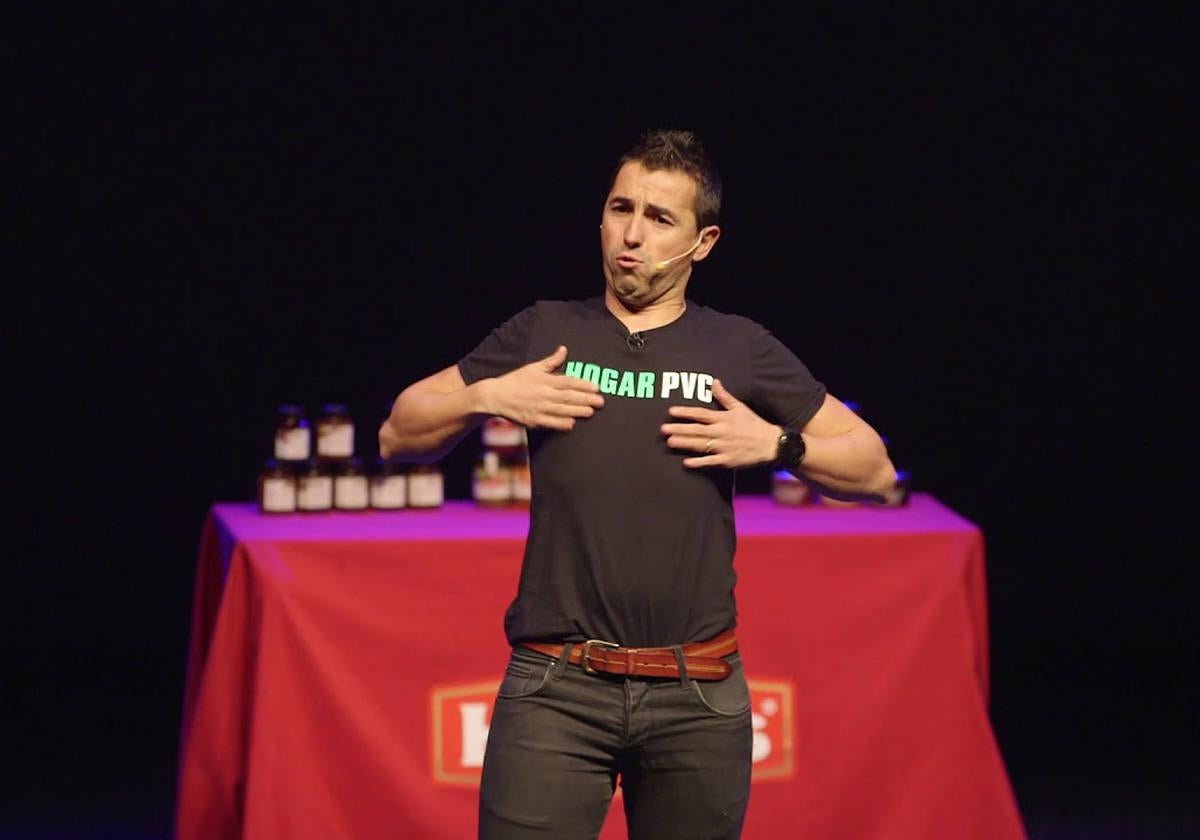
(342, 665)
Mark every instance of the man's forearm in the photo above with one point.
(855, 463)
(425, 424)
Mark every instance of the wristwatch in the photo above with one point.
(791, 449)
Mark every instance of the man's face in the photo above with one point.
(648, 217)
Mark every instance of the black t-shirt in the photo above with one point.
(625, 543)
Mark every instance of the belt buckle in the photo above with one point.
(586, 651)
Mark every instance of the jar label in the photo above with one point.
(293, 444)
(335, 440)
(350, 492)
(425, 489)
(389, 492)
(791, 493)
(278, 495)
(493, 488)
(503, 436)
(315, 493)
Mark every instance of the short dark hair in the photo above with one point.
(680, 151)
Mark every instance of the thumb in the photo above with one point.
(725, 398)
(555, 360)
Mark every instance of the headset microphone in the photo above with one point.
(661, 264)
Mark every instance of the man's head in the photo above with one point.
(659, 218)
(680, 151)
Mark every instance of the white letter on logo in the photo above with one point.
(670, 383)
(474, 733)
(704, 388)
(689, 384)
(762, 741)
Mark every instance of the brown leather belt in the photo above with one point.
(703, 659)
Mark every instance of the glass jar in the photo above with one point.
(787, 489)
(502, 435)
(522, 483)
(293, 436)
(426, 488)
(350, 486)
(335, 432)
(314, 486)
(492, 485)
(389, 485)
(276, 488)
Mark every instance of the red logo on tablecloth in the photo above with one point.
(461, 716)
(772, 719)
(462, 713)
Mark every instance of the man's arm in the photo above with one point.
(842, 452)
(432, 415)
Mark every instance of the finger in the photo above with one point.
(705, 445)
(723, 396)
(561, 424)
(687, 429)
(577, 396)
(555, 360)
(704, 461)
(567, 410)
(687, 412)
(573, 383)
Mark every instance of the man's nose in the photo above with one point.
(633, 231)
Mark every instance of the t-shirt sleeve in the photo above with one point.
(504, 350)
(785, 392)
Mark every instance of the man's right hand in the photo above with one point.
(534, 395)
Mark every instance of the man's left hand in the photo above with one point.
(732, 438)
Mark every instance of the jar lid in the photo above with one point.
(315, 466)
(335, 409)
(291, 411)
(275, 465)
(351, 466)
(389, 466)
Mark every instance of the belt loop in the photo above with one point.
(561, 665)
(684, 681)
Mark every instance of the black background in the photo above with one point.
(961, 221)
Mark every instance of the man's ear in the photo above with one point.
(708, 239)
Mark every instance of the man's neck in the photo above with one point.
(657, 314)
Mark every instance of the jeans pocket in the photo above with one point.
(524, 676)
(729, 697)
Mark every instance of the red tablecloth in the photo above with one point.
(342, 666)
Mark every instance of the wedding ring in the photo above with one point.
(708, 446)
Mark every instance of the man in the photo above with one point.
(640, 405)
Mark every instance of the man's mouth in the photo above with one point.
(626, 261)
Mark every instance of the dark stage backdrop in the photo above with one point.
(959, 222)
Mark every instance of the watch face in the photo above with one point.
(791, 448)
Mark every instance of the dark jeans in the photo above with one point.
(560, 737)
